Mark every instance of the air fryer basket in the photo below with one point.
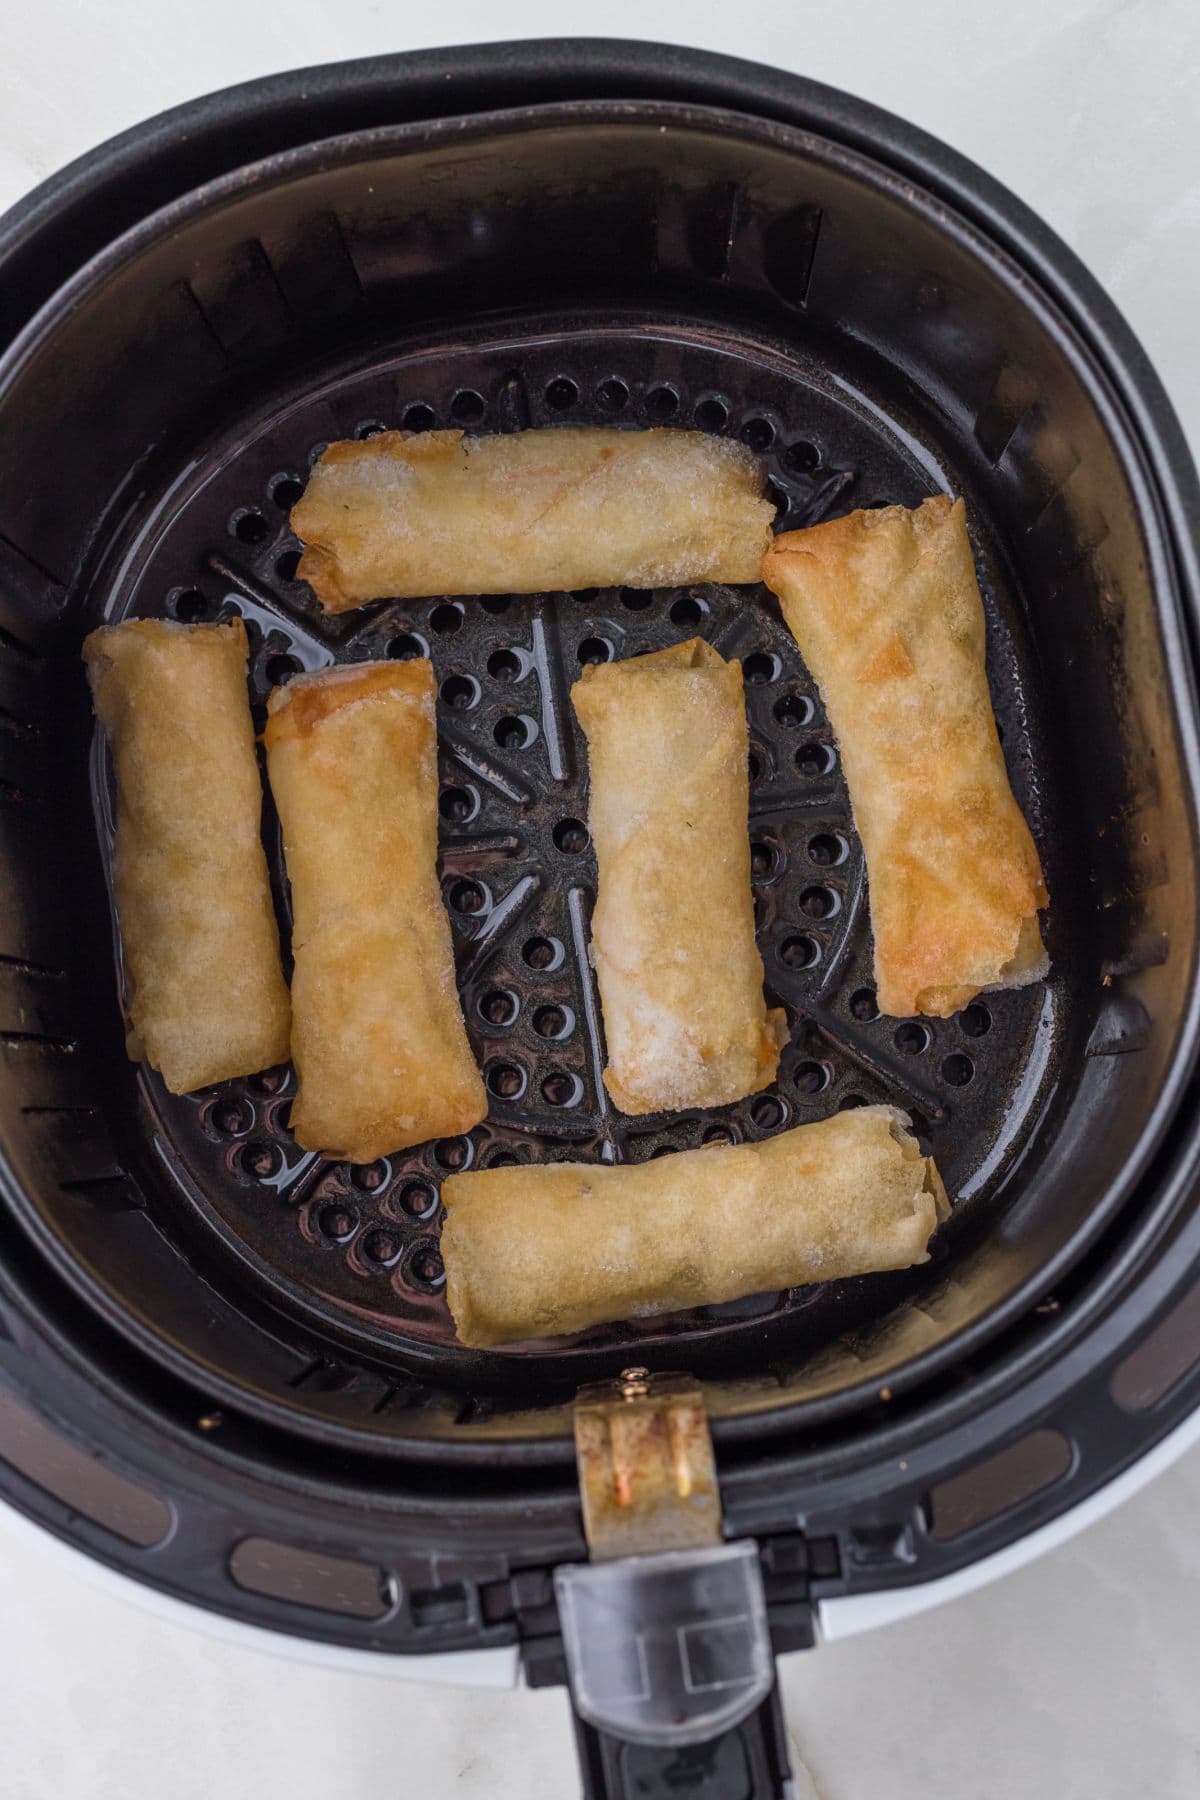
(256, 1339)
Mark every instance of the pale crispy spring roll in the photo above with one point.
(886, 610)
(681, 980)
(535, 1252)
(206, 994)
(401, 516)
(378, 1038)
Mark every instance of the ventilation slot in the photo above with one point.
(1162, 1359)
(331, 1584)
(82, 1483)
(994, 1487)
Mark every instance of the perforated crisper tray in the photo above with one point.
(357, 1247)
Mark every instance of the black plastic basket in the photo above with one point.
(209, 1340)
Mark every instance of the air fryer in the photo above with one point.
(227, 1366)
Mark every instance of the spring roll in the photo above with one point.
(378, 1038)
(886, 610)
(401, 516)
(206, 994)
(680, 977)
(535, 1252)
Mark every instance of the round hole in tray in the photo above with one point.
(912, 1037)
(286, 491)
(761, 667)
(766, 859)
(499, 1006)
(975, 1020)
(453, 1154)
(495, 603)
(467, 896)
(799, 952)
(336, 1221)
(561, 393)
(406, 646)
(542, 953)
(249, 526)
(418, 417)
(423, 1268)
(759, 434)
(818, 903)
(189, 606)
(635, 599)
(281, 667)
(613, 395)
(446, 617)
(369, 428)
(687, 612)
(506, 1080)
(261, 1160)
(815, 759)
(849, 1102)
(370, 1177)
(827, 849)
(595, 650)
(553, 1022)
(501, 1159)
(505, 665)
(863, 1005)
(287, 566)
(458, 805)
(768, 1112)
(571, 836)
(382, 1247)
(802, 456)
(712, 413)
(811, 1077)
(957, 1069)
(719, 1134)
(662, 403)
(562, 1089)
(516, 731)
(793, 709)
(231, 1115)
(460, 692)
(467, 407)
(417, 1199)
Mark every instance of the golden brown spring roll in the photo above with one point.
(533, 1252)
(681, 980)
(378, 1038)
(401, 516)
(886, 610)
(207, 998)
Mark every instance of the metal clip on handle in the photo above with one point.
(665, 1630)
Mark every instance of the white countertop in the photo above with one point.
(1077, 1678)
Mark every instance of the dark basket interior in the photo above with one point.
(682, 267)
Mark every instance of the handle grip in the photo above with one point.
(747, 1762)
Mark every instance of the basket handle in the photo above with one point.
(672, 1677)
(750, 1761)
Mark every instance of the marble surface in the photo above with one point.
(1076, 1677)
